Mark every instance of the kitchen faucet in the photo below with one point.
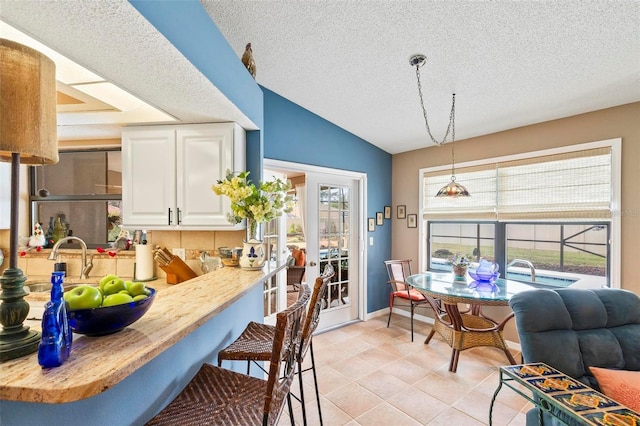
(86, 267)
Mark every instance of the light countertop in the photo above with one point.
(98, 363)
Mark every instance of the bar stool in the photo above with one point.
(216, 396)
(254, 343)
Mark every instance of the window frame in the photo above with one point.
(614, 222)
(35, 198)
(501, 242)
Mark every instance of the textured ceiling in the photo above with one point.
(509, 63)
(113, 40)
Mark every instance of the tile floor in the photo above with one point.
(373, 375)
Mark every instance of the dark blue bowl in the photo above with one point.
(110, 319)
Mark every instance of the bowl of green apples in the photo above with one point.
(109, 307)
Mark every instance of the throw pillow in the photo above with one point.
(300, 257)
(621, 385)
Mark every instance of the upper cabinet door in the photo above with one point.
(203, 155)
(148, 176)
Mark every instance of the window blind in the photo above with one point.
(573, 185)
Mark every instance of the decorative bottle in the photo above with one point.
(55, 344)
(59, 231)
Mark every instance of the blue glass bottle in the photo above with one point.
(55, 344)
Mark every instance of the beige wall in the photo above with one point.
(622, 121)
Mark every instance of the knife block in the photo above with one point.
(177, 271)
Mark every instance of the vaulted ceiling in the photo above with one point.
(509, 63)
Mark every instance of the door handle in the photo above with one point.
(312, 263)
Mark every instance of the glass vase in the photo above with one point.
(253, 231)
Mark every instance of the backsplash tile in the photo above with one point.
(195, 242)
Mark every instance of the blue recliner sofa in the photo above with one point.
(573, 329)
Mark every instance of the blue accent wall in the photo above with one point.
(288, 131)
(295, 134)
(190, 29)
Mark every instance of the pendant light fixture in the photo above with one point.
(452, 189)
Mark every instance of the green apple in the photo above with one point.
(106, 279)
(116, 299)
(140, 297)
(135, 288)
(113, 286)
(83, 297)
(125, 292)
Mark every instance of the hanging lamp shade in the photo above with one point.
(27, 105)
(453, 190)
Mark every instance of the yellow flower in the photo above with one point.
(261, 203)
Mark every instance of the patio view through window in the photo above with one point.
(549, 254)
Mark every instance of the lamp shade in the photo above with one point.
(453, 190)
(27, 105)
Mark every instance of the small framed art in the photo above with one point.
(372, 224)
(412, 221)
(402, 212)
(379, 219)
(387, 212)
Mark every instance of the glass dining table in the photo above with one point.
(469, 327)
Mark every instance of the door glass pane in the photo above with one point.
(334, 242)
(270, 296)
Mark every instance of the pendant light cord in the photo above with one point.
(452, 123)
(452, 114)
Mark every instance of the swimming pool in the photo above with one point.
(541, 279)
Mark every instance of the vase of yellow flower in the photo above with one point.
(256, 205)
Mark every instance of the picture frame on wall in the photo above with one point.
(387, 212)
(412, 221)
(379, 219)
(401, 212)
(372, 224)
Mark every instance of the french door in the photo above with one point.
(332, 229)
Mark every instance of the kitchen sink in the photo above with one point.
(44, 286)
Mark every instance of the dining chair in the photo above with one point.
(216, 396)
(254, 343)
(398, 271)
(295, 275)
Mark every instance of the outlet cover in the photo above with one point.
(180, 252)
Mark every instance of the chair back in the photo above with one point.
(295, 274)
(286, 346)
(571, 329)
(398, 271)
(315, 306)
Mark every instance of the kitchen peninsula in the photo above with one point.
(127, 377)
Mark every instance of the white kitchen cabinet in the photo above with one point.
(167, 173)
